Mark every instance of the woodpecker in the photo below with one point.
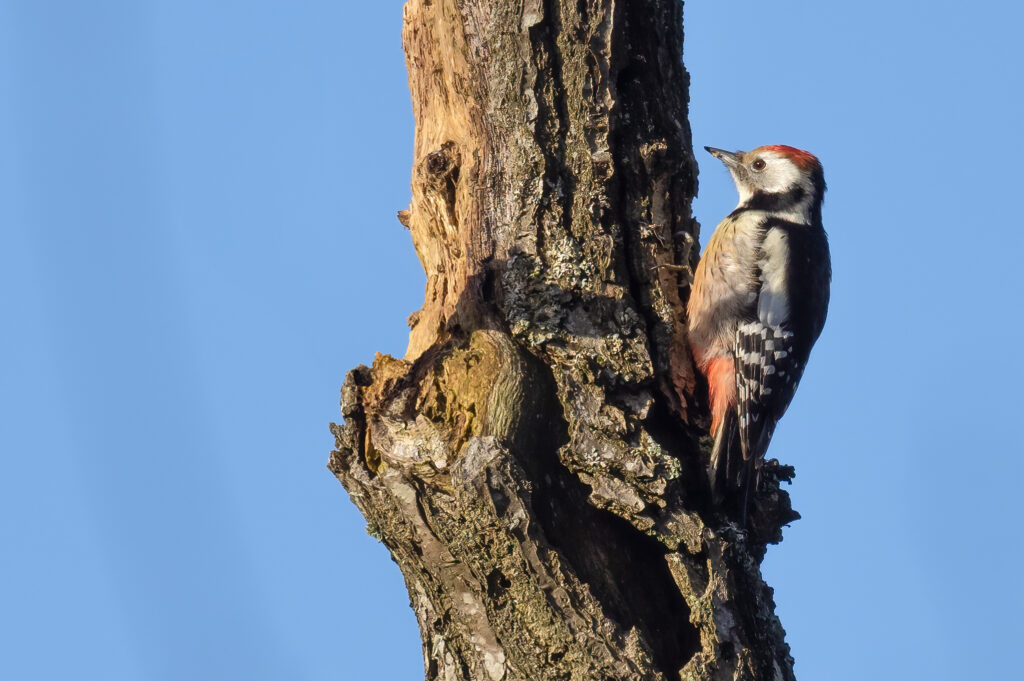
(757, 305)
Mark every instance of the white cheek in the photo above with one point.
(780, 176)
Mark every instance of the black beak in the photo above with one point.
(731, 159)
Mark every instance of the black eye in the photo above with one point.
(759, 164)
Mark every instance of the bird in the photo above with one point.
(757, 305)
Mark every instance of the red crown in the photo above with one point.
(804, 159)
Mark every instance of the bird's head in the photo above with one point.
(775, 173)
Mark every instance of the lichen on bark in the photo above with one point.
(535, 463)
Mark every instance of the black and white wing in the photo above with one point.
(767, 373)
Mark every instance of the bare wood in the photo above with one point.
(534, 462)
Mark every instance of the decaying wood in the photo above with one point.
(535, 462)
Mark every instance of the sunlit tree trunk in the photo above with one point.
(535, 463)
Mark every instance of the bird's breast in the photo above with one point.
(726, 284)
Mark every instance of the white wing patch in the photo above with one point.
(773, 301)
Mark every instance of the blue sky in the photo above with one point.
(197, 240)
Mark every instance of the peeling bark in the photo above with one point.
(535, 463)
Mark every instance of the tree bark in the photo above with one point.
(535, 463)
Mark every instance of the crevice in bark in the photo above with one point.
(664, 428)
(552, 120)
(624, 568)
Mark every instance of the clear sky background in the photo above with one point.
(197, 241)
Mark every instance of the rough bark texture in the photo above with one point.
(535, 463)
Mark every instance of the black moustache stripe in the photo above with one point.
(772, 203)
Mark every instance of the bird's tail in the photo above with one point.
(726, 458)
(733, 469)
(746, 483)
(751, 455)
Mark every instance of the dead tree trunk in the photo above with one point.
(535, 462)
